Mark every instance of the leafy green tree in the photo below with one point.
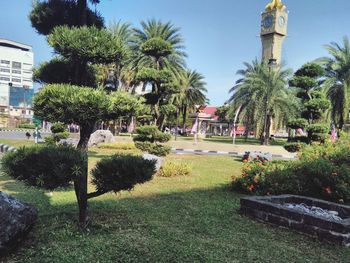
(83, 106)
(307, 81)
(337, 83)
(223, 113)
(148, 139)
(59, 166)
(192, 93)
(157, 55)
(46, 15)
(263, 90)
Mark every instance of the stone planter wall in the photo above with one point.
(270, 210)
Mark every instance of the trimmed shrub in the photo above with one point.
(48, 166)
(26, 126)
(122, 172)
(317, 132)
(323, 171)
(147, 139)
(301, 139)
(294, 146)
(297, 123)
(156, 149)
(58, 127)
(150, 134)
(117, 146)
(171, 169)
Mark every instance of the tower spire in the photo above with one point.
(275, 4)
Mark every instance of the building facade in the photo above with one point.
(274, 22)
(16, 83)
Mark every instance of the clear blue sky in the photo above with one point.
(219, 34)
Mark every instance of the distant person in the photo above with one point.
(28, 135)
(36, 135)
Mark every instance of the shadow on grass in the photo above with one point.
(175, 226)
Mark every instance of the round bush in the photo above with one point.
(323, 171)
(170, 169)
(294, 146)
(122, 172)
(58, 127)
(48, 166)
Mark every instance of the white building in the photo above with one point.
(16, 82)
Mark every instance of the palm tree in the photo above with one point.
(192, 93)
(337, 83)
(158, 45)
(158, 55)
(262, 95)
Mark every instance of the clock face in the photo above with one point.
(281, 21)
(267, 22)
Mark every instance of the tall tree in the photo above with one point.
(262, 93)
(337, 83)
(192, 93)
(307, 80)
(48, 14)
(157, 55)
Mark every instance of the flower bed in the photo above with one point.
(322, 171)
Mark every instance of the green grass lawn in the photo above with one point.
(181, 219)
(17, 143)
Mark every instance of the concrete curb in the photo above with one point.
(233, 154)
(17, 130)
(6, 148)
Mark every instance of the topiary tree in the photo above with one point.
(148, 138)
(59, 132)
(59, 166)
(307, 80)
(317, 132)
(83, 106)
(46, 15)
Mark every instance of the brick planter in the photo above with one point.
(271, 210)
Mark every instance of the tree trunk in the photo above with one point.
(184, 117)
(81, 182)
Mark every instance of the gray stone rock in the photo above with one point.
(159, 160)
(256, 154)
(16, 219)
(101, 136)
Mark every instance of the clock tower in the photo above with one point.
(273, 30)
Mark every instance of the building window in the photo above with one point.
(4, 79)
(29, 80)
(16, 71)
(16, 65)
(5, 62)
(27, 72)
(16, 80)
(4, 70)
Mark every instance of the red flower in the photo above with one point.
(334, 174)
(251, 187)
(328, 190)
(256, 180)
(245, 174)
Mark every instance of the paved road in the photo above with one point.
(18, 135)
(182, 147)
